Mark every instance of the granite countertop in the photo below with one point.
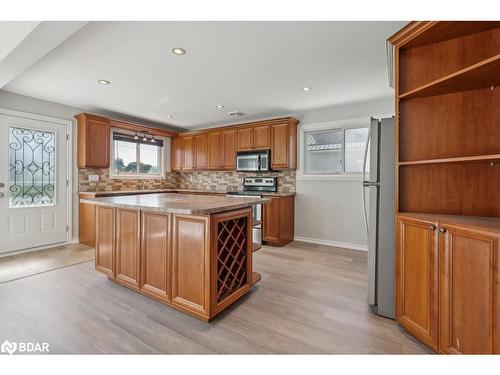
(123, 192)
(177, 203)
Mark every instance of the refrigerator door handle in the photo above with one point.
(365, 183)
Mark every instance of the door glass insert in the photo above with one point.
(31, 167)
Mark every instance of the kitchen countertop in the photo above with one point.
(146, 191)
(177, 203)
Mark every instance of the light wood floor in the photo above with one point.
(311, 299)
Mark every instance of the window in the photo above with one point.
(136, 156)
(335, 151)
(32, 167)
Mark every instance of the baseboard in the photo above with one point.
(318, 241)
(74, 240)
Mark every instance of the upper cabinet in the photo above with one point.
(229, 149)
(254, 137)
(187, 153)
(201, 151)
(177, 154)
(216, 149)
(93, 142)
(284, 145)
(245, 139)
(214, 140)
(262, 136)
(94, 138)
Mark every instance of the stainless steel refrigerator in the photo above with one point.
(379, 184)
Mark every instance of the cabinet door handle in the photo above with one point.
(432, 227)
(442, 230)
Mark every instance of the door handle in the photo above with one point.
(1, 195)
(432, 227)
(442, 230)
(2, 184)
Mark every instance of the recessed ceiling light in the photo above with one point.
(103, 82)
(169, 116)
(178, 51)
(220, 106)
(307, 88)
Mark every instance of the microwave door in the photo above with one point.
(247, 163)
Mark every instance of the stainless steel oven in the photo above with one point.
(253, 161)
(256, 187)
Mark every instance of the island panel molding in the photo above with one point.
(156, 255)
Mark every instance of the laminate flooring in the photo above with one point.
(311, 299)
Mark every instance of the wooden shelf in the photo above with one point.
(483, 74)
(452, 160)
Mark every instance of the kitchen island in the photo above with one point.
(191, 252)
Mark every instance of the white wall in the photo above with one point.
(330, 211)
(45, 108)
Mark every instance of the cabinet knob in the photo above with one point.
(432, 227)
(442, 230)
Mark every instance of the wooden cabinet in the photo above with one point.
(278, 218)
(262, 137)
(448, 282)
(417, 279)
(177, 154)
(201, 151)
(245, 139)
(469, 290)
(155, 255)
(215, 158)
(216, 149)
(254, 137)
(93, 142)
(283, 146)
(105, 240)
(191, 263)
(128, 226)
(86, 222)
(188, 153)
(229, 149)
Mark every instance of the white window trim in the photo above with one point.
(164, 163)
(329, 125)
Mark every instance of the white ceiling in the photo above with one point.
(257, 68)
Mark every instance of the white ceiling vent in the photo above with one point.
(236, 113)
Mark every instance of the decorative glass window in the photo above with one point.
(136, 155)
(32, 167)
(335, 151)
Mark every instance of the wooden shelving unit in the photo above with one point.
(448, 184)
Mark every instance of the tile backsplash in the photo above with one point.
(106, 183)
(207, 180)
(231, 180)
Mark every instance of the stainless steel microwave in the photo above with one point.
(253, 161)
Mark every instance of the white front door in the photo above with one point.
(33, 187)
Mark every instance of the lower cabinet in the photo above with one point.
(448, 284)
(469, 290)
(417, 279)
(278, 220)
(105, 240)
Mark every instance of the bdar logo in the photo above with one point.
(8, 347)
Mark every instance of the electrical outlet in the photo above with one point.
(93, 177)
